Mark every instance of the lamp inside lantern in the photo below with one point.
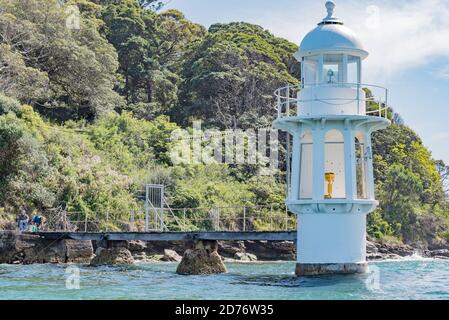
(329, 177)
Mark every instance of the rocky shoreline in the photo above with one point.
(16, 248)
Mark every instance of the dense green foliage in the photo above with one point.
(86, 115)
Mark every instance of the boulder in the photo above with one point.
(171, 256)
(110, 256)
(242, 256)
(136, 245)
(202, 258)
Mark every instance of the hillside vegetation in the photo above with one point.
(86, 116)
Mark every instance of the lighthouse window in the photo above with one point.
(306, 169)
(353, 69)
(332, 68)
(360, 166)
(334, 166)
(310, 69)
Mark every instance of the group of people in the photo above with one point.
(25, 223)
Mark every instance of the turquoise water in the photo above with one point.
(406, 279)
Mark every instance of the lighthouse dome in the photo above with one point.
(331, 36)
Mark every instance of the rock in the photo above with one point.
(154, 258)
(272, 250)
(114, 255)
(27, 248)
(374, 256)
(371, 248)
(171, 255)
(136, 245)
(202, 258)
(441, 257)
(241, 256)
(439, 253)
(392, 256)
(78, 251)
(228, 249)
(140, 256)
(397, 249)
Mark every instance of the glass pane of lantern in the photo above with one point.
(332, 67)
(310, 70)
(360, 167)
(353, 72)
(334, 166)
(306, 170)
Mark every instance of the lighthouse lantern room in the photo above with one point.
(330, 118)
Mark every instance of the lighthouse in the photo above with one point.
(330, 118)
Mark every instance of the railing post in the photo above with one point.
(286, 217)
(287, 96)
(132, 219)
(184, 216)
(244, 218)
(85, 223)
(278, 93)
(147, 208)
(218, 219)
(271, 217)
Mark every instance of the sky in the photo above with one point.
(408, 42)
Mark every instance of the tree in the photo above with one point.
(150, 47)
(49, 65)
(399, 198)
(443, 171)
(231, 74)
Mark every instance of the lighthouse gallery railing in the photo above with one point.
(376, 100)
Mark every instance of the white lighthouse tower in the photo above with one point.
(330, 118)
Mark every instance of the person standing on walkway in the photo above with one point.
(23, 221)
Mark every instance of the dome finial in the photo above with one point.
(330, 6)
(330, 18)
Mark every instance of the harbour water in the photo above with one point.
(405, 279)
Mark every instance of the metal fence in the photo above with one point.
(272, 217)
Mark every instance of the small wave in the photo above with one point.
(416, 256)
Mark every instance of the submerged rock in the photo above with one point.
(110, 256)
(202, 258)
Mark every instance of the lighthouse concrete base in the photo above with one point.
(315, 269)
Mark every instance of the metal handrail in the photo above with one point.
(287, 99)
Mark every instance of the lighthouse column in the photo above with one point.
(318, 160)
(350, 168)
(296, 158)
